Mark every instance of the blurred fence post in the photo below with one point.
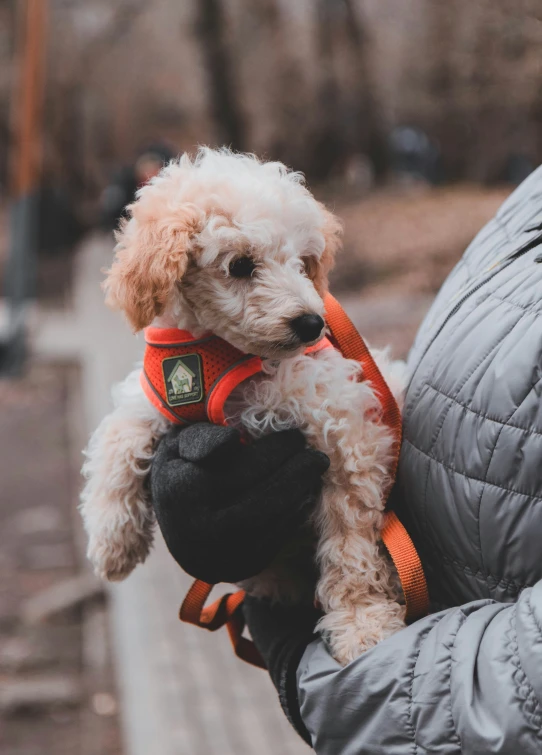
(25, 172)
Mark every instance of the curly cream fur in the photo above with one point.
(171, 269)
(114, 501)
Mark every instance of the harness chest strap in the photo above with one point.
(225, 611)
(190, 379)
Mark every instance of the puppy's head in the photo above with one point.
(228, 244)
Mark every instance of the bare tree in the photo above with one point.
(225, 108)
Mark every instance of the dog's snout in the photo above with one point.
(307, 327)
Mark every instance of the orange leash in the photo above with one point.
(225, 611)
(409, 567)
(352, 346)
(394, 535)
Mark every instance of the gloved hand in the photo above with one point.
(281, 633)
(226, 508)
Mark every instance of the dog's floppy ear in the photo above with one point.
(319, 270)
(151, 255)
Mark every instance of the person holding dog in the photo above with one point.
(468, 677)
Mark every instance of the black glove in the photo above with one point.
(281, 634)
(226, 508)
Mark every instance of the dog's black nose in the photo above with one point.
(307, 327)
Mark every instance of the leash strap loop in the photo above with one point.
(223, 612)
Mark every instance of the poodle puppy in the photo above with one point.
(227, 244)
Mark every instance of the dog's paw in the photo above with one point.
(351, 645)
(114, 558)
(351, 633)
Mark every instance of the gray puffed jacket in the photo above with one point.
(468, 678)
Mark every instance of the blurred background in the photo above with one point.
(412, 119)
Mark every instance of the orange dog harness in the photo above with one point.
(189, 380)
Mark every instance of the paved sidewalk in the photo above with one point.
(57, 693)
(182, 690)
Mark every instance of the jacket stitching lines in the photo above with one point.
(491, 243)
(485, 483)
(494, 347)
(532, 613)
(470, 373)
(445, 413)
(471, 477)
(481, 414)
(411, 403)
(502, 226)
(410, 719)
(525, 200)
(463, 618)
(476, 573)
(425, 519)
(530, 708)
(527, 309)
(483, 575)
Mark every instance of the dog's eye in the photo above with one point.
(242, 267)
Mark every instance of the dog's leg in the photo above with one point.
(340, 416)
(356, 588)
(115, 505)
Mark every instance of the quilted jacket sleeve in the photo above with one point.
(465, 680)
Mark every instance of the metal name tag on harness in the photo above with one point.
(189, 380)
